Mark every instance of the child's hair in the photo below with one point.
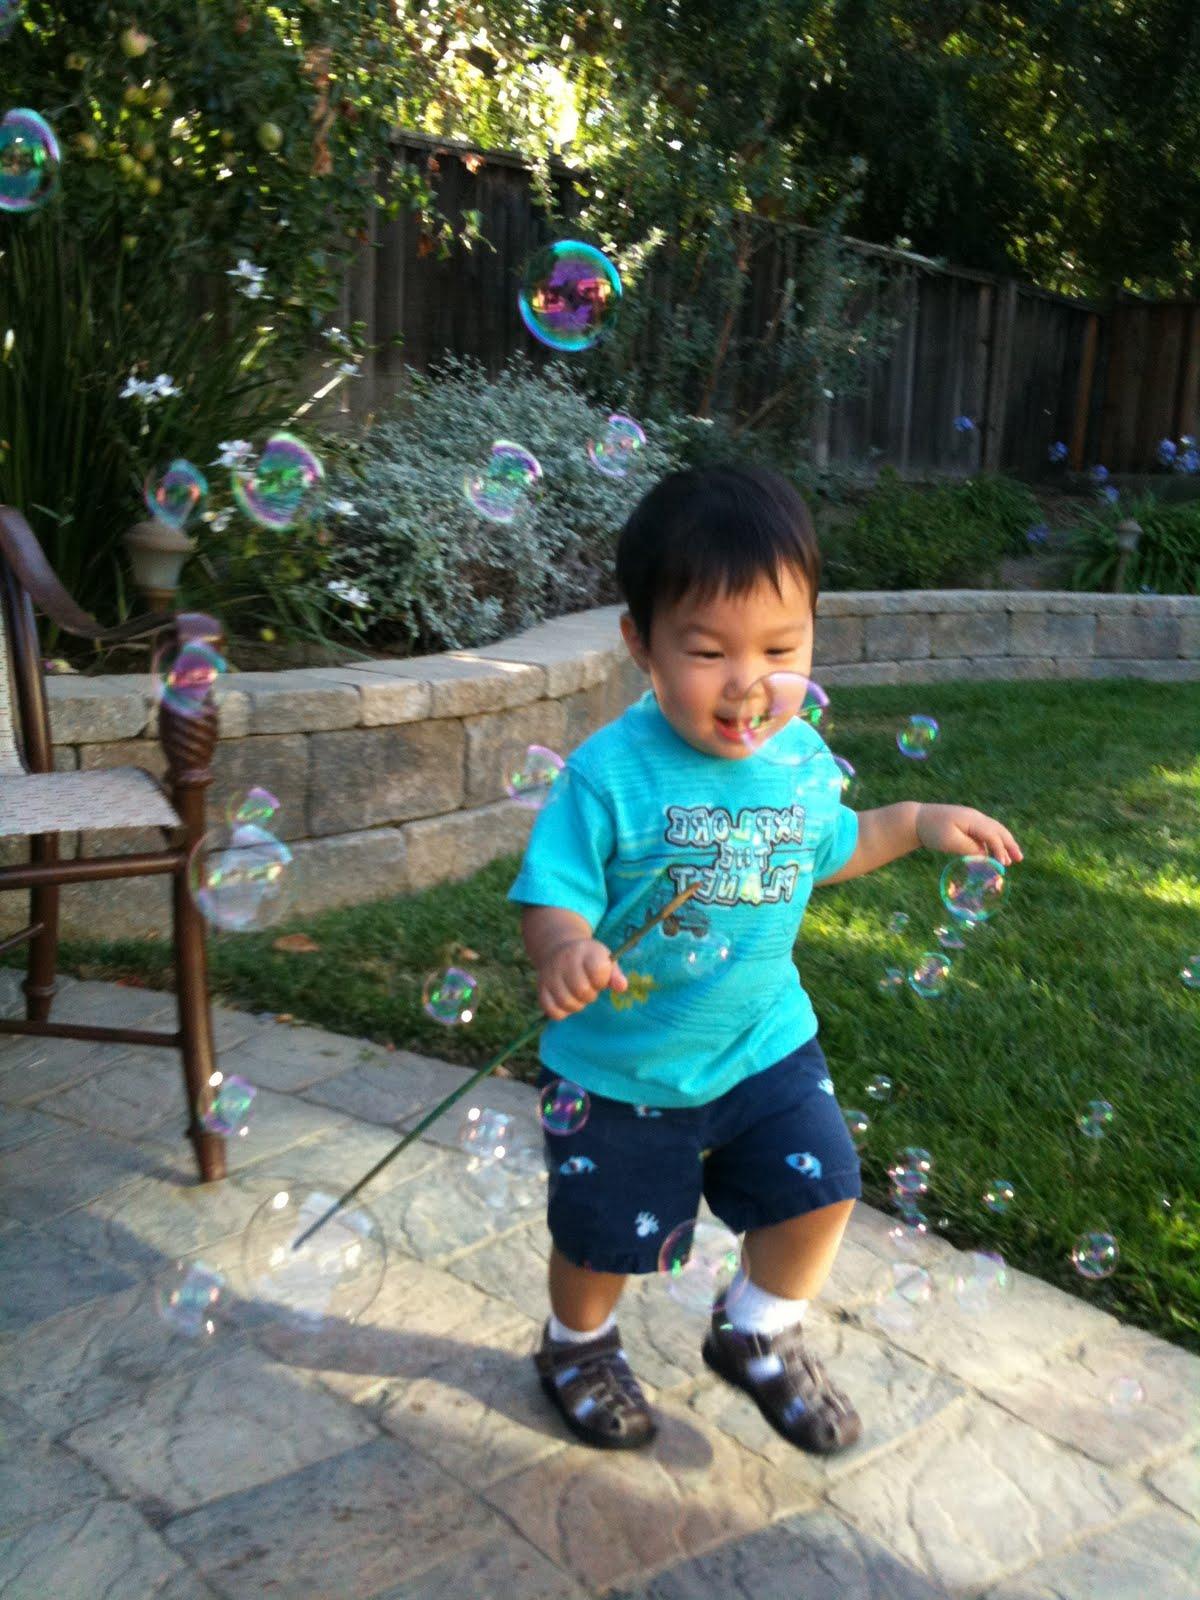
(713, 530)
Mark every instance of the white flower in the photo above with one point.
(350, 369)
(353, 596)
(232, 452)
(218, 521)
(136, 389)
(164, 386)
(338, 339)
(342, 508)
(251, 278)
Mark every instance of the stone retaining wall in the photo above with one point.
(389, 773)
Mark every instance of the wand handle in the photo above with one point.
(534, 1028)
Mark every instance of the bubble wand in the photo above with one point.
(443, 1106)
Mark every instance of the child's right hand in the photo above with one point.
(574, 974)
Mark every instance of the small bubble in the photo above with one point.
(1095, 1119)
(879, 1087)
(1095, 1255)
(998, 1195)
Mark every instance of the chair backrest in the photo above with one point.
(10, 756)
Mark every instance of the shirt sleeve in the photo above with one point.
(572, 841)
(838, 843)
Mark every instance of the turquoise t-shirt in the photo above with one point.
(714, 995)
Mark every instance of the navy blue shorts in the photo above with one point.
(772, 1147)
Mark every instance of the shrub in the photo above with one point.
(908, 537)
(1010, 505)
(436, 574)
(1167, 559)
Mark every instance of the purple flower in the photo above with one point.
(1058, 451)
(1038, 534)
(1111, 494)
(1166, 452)
(964, 425)
(1099, 474)
(1189, 461)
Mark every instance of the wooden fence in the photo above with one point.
(1027, 366)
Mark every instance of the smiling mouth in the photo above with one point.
(736, 729)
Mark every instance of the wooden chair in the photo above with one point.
(39, 803)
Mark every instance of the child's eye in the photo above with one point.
(705, 655)
(783, 650)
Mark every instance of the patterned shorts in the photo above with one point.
(772, 1147)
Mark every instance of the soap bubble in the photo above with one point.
(236, 876)
(909, 1182)
(570, 295)
(449, 996)
(858, 1123)
(879, 1087)
(617, 451)
(906, 1296)
(908, 1236)
(174, 493)
(973, 888)
(697, 1258)
(1095, 1119)
(998, 1195)
(1094, 1255)
(282, 485)
(915, 1155)
(897, 922)
(917, 737)
(1125, 1394)
(530, 777)
(185, 674)
(336, 1273)
(849, 780)
(29, 161)
(563, 1107)
(892, 981)
(767, 707)
(505, 485)
(257, 806)
(188, 1297)
(230, 1109)
(485, 1133)
(930, 977)
(1190, 972)
(980, 1279)
(950, 937)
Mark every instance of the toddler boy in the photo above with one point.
(701, 1060)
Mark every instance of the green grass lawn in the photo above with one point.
(1072, 994)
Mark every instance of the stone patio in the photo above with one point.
(410, 1453)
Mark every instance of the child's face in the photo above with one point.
(704, 655)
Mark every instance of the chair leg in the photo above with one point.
(40, 986)
(195, 1027)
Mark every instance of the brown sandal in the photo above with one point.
(595, 1391)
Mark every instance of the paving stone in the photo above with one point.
(327, 873)
(113, 1005)
(299, 701)
(37, 1478)
(976, 1493)
(360, 777)
(437, 1214)
(166, 1216)
(510, 1095)
(383, 698)
(462, 683)
(291, 1058)
(837, 639)
(496, 741)
(43, 1276)
(448, 848)
(608, 1521)
(893, 1393)
(349, 1527)
(335, 1159)
(100, 1552)
(1163, 671)
(1158, 1555)
(389, 1088)
(1067, 1396)
(588, 710)
(810, 1556)
(33, 1068)
(1045, 633)
(279, 1122)
(185, 1444)
(278, 762)
(105, 1354)
(135, 1096)
(969, 634)
(511, 1268)
(19, 1127)
(900, 637)
(97, 710)
(1179, 1481)
(1138, 638)
(568, 662)
(69, 1169)
(503, 1568)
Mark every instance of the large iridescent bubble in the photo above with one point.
(616, 451)
(282, 485)
(570, 295)
(174, 493)
(29, 161)
(236, 876)
(505, 485)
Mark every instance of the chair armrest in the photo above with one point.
(39, 580)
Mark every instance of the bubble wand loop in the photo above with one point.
(443, 1106)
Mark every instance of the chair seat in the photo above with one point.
(62, 802)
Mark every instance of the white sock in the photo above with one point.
(752, 1310)
(561, 1334)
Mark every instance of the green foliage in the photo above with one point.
(915, 537)
(1167, 558)
(438, 574)
(1009, 505)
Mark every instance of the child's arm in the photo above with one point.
(572, 967)
(889, 832)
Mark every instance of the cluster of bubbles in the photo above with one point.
(30, 159)
(237, 871)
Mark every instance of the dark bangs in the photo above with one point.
(713, 530)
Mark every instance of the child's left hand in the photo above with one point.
(961, 831)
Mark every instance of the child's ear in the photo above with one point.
(633, 641)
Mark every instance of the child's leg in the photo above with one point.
(793, 1259)
(580, 1298)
